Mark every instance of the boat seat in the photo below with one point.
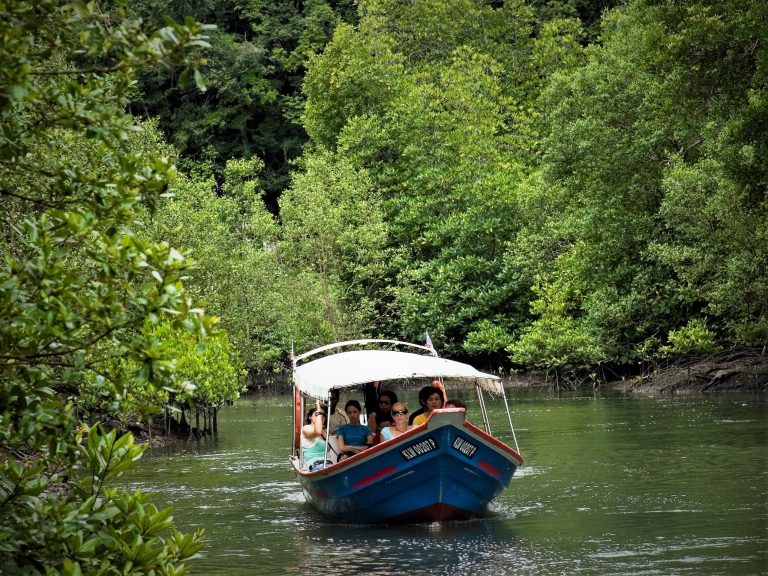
(333, 448)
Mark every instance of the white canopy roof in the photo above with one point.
(356, 367)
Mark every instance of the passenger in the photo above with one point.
(353, 437)
(313, 439)
(400, 414)
(338, 418)
(382, 417)
(425, 393)
(432, 402)
(371, 393)
(455, 404)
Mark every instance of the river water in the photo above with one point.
(611, 485)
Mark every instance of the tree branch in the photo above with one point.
(27, 199)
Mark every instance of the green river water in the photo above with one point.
(611, 485)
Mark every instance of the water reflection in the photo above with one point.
(412, 549)
(610, 486)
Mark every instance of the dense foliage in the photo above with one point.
(547, 184)
(569, 202)
(663, 221)
(255, 65)
(79, 287)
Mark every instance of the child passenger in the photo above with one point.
(353, 437)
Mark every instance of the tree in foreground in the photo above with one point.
(77, 288)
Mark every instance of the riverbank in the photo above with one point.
(731, 371)
(743, 370)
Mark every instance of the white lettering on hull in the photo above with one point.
(464, 446)
(419, 449)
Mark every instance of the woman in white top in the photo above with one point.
(400, 416)
(313, 439)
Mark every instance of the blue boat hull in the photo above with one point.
(447, 469)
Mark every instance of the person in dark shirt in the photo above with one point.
(383, 415)
(371, 392)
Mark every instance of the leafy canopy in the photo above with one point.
(77, 285)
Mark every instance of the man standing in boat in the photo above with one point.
(338, 418)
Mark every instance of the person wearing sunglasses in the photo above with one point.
(400, 425)
(313, 439)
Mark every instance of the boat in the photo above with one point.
(445, 469)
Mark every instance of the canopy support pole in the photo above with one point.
(483, 411)
(299, 408)
(295, 426)
(509, 417)
(327, 425)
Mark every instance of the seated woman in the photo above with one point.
(400, 416)
(313, 439)
(353, 437)
(424, 393)
(432, 402)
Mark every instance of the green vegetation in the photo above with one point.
(79, 289)
(563, 202)
(255, 65)
(548, 185)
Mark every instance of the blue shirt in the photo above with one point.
(354, 434)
